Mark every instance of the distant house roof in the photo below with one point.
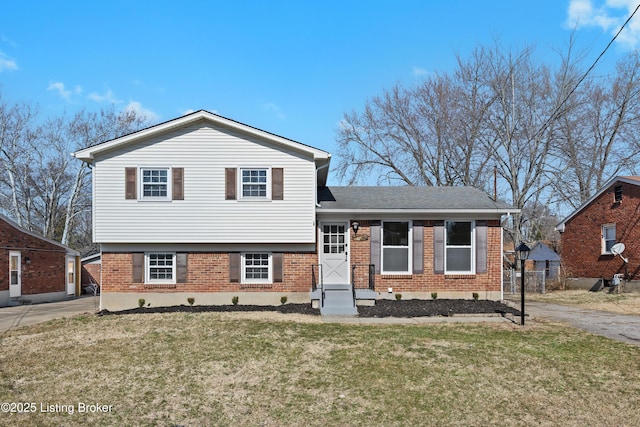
(38, 236)
(633, 180)
(542, 252)
(409, 199)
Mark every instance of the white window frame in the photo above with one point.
(471, 247)
(267, 184)
(246, 280)
(604, 240)
(141, 183)
(409, 248)
(147, 268)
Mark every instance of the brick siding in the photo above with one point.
(582, 238)
(43, 263)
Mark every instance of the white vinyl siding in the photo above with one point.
(204, 216)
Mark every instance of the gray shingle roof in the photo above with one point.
(410, 198)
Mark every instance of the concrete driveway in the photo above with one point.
(620, 327)
(23, 315)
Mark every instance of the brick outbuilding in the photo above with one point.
(36, 269)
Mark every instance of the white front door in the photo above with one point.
(71, 276)
(15, 275)
(334, 248)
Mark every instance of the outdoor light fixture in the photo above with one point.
(523, 253)
(27, 260)
(356, 226)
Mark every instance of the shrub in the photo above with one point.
(191, 300)
(283, 299)
(434, 296)
(235, 300)
(475, 296)
(141, 302)
(398, 297)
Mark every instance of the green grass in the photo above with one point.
(245, 370)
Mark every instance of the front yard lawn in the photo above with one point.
(250, 369)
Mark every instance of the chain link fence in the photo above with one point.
(534, 281)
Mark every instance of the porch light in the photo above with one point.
(355, 226)
(523, 253)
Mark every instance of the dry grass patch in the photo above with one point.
(249, 369)
(625, 303)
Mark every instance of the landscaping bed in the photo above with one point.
(382, 308)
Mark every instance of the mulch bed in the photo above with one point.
(382, 308)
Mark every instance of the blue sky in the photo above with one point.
(289, 67)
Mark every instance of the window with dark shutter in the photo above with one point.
(137, 267)
(177, 192)
(130, 183)
(234, 267)
(181, 268)
(438, 247)
(230, 184)
(375, 245)
(277, 267)
(418, 247)
(481, 246)
(277, 184)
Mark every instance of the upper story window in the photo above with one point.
(617, 194)
(459, 250)
(254, 183)
(155, 183)
(396, 247)
(608, 238)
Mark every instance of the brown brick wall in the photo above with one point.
(44, 272)
(582, 241)
(208, 272)
(90, 274)
(429, 281)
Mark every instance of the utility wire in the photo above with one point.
(584, 76)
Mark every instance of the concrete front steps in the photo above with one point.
(338, 301)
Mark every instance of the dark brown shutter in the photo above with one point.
(177, 192)
(418, 247)
(137, 267)
(481, 246)
(130, 183)
(230, 183)
(234, 267)
(375, 245)
(277, 184)
(438, 247)
(277, 267)
(181, 268)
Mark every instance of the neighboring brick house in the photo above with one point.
(203, 206)
(36, 269)
(611, 216)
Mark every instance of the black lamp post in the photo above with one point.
(523, 253)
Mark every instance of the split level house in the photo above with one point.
(35, 269)
(592, 235)
(209, 208)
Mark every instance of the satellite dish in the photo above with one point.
(617, 249)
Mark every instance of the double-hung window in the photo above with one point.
(256, 268)
(459, 247)
(161, 267)
(396, 247)
(608, 238)
(154, 183)
(254, 183)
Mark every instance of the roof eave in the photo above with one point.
(421, 211)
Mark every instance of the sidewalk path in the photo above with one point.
(620, 327)
(23, 315)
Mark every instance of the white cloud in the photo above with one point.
(7, 63)
(419, 72)
(273, 108)
(141, 111)
(108, 97)
(64, 93)
(609, 16)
